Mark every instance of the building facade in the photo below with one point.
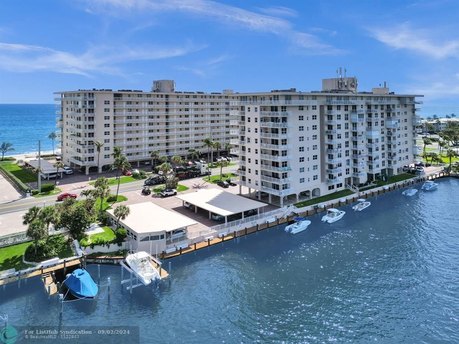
(295, 145)
(162, 120)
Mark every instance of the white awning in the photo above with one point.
(220, 202)
(46, 166)
(148, 217)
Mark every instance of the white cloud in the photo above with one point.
(206, 68)
(279, 11)
(421, 41)
(29, 58)
(222, 13)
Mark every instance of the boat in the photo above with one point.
(363, 204)
(429, 185)
(333, 215)
(410, 192)
(298, 226)
(81, 285)
(143, 266)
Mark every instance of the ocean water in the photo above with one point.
(388, 274)
(24, 124)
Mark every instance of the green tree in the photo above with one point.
(450, 154)
(31, 215)
(194, 154)
(37, 231)
(76, 219)
(120, 164)
(176, 161)
(228, 147)
(101, 191)
(154, 158)
(48, 216)
(58, 165)
(217, 145)
(210, 153)
(52, 136)
(6, 147)
(121, 212)
(98, 145)
(427, 141)
(222, 164)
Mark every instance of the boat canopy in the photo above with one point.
(81, 284)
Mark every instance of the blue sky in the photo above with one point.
(53, 45)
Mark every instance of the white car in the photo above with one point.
(67, 170)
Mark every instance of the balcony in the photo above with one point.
(334, 170)
(274, 125)
(372, 145)
(276, 192)
(274, 114)
(373, 134)
(273, 135)
(266, 167)
(274, 157)
(355, 118)
(392, 124)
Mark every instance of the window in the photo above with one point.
(315, 167)
(107, 125)
(301, 169)
(314, 157)
(301, 180)
(315, 177)
(301, 149)
(106, 102)
(106, 117)
(106, 110)
(301, 128)
(301, 159)
(314, 137)
(106, 133)
(106, 156)
(301, 118)
(314, 107)
(314, 147)
(314, 117)
(314, 127)
(301, 138)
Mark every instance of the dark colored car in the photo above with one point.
(146, 191)
(223, 184)
(168, 192)
(63, 196)
(154, 180)
(231, 183)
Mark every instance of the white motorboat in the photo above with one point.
(363, 204)
(143, 266)
(333, 215)
(298, 226)
(410, 192)
(429, 185)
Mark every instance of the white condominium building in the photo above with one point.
(298, 145)
(162, 120)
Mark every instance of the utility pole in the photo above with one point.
(39, 167)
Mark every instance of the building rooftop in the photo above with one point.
(220, 202)
(148, 217)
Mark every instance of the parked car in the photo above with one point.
(65, 195)
(223, 184)
(67, 170)
(230, 182)
(217, 217)
(168, 192)
(127, 173)
(146, 191)
(154, 180)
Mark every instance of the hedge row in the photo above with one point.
(24, 187)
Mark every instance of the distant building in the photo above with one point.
(162, 120)
(437, 125)
(298, 145)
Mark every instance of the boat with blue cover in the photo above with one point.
(81, 285)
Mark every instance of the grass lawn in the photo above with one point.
(107, 235)
(107, 205)
(11, 256)
(56, 191)
(216, 178)
(325, 198)
(394, 179)
(23, 174)
(161, 187)
(123, 180)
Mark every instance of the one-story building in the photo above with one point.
(221, 204)
(154, 229)
(47, 170)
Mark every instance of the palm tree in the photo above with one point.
(120, 164)
(176, 160)
(101, 190)
(6, 147)
(99, 146)
(165, 168)
(154, 158)
(442, 144)
(194, 154)
(228, 147)
(209, 144)
(37, 231)
(58, 165)
(31, 215)
(427, 141)
(450, 154)
(217, 145)
(52, 136)
(87, 193)
(48, 215)
(121, 212)
(222, 163)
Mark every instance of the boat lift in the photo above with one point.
(134, 281)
